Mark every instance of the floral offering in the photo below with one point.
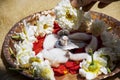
(57, 46)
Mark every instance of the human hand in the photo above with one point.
(87, 4)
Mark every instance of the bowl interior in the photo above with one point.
(115, 24)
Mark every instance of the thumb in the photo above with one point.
(102, 5)
(75, 3)
(89, 6)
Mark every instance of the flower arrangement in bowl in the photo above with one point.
(64, 43)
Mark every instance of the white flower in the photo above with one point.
(25, 45)
(45, 25)
(44, 70)
(109, 53)
(24, 56)
(24, 51)
(92, 71)
(24, 48)
(28, 32)
(67, 16)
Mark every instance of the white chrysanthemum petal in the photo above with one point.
(45, 24)
(67, 16)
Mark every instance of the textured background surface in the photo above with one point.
(11, 11)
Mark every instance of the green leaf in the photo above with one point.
(12, 53)
(15, 69)
(16, 37)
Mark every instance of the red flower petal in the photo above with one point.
(73, 72)
(61, 70)
(70, 64)
(38, 46)
(56, 27)
(75, 67)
